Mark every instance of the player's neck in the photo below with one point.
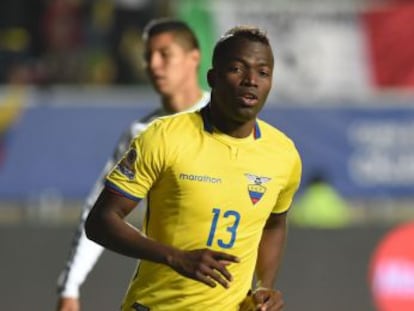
(231, 127)
(182, 99)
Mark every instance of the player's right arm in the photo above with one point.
(106, 226)
(130, 181)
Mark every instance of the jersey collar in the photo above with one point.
(208, 124)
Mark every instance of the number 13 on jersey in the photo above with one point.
(230, 216)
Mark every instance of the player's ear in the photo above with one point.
(196, 56)
(210, 78)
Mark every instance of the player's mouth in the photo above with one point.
(248, 99)
(158, 80)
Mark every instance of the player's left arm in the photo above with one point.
(270, 253)
(272, 244)
(271, 250)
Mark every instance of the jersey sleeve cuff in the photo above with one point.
(115, 188)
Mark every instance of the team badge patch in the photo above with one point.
(126, 166)
(255, 187)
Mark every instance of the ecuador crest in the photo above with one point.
(255, 187)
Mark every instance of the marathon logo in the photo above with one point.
(200, 178)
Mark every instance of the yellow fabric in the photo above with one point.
(200, 187)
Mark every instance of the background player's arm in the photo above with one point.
(84, 253)
(106, 225)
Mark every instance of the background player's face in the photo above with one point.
(169, 64)
(243, 80)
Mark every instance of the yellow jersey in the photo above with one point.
(204, 189)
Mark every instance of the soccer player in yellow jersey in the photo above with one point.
(219, 183)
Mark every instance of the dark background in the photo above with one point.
(323, 270)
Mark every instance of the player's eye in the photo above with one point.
(235, 69)
(166, 54)
(263, 72)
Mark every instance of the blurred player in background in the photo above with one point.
(219, 183)
(320, 205)
(172, 57)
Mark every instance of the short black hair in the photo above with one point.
(248, 32)
(180, 29)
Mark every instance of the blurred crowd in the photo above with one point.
(74, 41)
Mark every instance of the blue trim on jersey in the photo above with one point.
(257, 132)
(208, 125)
(121, 192)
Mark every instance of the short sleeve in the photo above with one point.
(141, 165)
(286, 195)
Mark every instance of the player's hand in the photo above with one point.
(68, 304)
(267, 299)
(204, 265)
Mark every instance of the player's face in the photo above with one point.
(243, 80)
(168, 63)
